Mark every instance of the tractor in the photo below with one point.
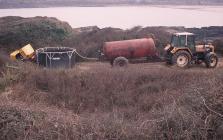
(182, 51)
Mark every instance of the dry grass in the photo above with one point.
(95, 101)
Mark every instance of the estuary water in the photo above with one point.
(126, 17)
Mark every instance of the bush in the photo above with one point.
(39, 31)
(218, 46)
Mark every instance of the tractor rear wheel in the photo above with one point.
(211, 60)
(181, 58)
(120, 62)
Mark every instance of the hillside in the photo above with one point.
(39, 31)
(58, 3)
(16, 32)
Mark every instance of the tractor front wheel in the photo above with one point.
(211, 60)
(181, 59)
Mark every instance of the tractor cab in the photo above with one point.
(183, 40)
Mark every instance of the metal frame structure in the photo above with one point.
(50, 53)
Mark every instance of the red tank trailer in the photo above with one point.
(119, 52)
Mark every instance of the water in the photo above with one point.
(127, 17)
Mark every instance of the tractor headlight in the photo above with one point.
(167, 47)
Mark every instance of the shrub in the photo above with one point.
(132, 103)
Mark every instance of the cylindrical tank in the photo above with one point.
(135, 48)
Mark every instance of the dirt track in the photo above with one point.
(151, 65)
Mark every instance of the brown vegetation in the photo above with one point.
(94, 101)
(218, 43)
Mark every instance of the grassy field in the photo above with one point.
(96, 102)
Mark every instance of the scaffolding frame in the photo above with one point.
(50, 52)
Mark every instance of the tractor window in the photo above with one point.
(182, 41)
(175, 41)
(19, 56)
(190, 41)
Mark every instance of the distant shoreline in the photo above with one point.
(113, 5)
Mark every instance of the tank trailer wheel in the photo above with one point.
(120, 62)
(181, 59)
(168, 63)
(211, 60)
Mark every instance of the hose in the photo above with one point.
(86, 58)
